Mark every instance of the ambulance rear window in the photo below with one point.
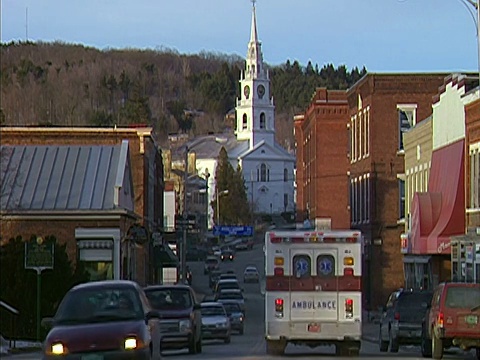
(325, 265)
(302, 266)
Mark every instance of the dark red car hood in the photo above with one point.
(95, 336)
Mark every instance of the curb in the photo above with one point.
(369, 338)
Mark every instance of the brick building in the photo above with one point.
(381, 108)
(132, 229)
(322, 162)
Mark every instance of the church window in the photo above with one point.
(285, 175)
(263, 173)
(253, 68)
(245, 122)
(262, 120)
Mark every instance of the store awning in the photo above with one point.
(164, 257)
(440, 213)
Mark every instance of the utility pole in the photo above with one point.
(183, 248)
(476, 6)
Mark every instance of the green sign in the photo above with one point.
(39, 255)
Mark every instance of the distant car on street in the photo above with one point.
(226, 284)
(227, 255)
(215, 322)
(103, 319)
(251, 274)
(231, 295)
(236, 315)
(211, 263)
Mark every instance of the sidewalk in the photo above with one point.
(370, 326)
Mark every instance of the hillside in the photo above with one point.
(58, 84)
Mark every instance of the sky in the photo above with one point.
(382, 35)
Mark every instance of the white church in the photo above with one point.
(268, 169)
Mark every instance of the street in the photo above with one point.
(251, 345)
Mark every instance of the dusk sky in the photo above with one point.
(382, 35)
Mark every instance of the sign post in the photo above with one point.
(39, 256)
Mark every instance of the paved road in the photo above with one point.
(251, 345)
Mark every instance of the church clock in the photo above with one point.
(260, 91)
(246, 91)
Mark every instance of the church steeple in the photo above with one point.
(255, 110)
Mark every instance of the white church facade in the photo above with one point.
(268, 169)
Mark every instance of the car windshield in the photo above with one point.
(232, 285)
(212, 311)
(211, 261)
(169, 298)
(231, 308)
(92, 305)
(251, 270)
(414, 301)
(462, 297)
(230, 295)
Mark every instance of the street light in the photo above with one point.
(476, 6)
(220, 193)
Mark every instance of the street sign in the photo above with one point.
(39, 255)
(233, 230)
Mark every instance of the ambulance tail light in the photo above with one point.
(278, 271)
(351, 240)
(349, 308)
(278, 307)
(348, 272)
(348, 261)
(278, 260)
(275, 240)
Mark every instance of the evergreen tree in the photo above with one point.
(233, 207)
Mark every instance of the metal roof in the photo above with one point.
(63, 177)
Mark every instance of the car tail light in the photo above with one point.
(440, 319)
(396, 316)
(279, 307)
(349, 308)
(278, 271)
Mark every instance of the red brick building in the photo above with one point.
(144, 163)
(381, 108)
(322, 161)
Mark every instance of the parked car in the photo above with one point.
(103, 319)
(215, 322)
(213, 277)
(401, 321)
(181, 320)
(211, 263)
(229, 295)
(226, 284)
(216, 250)
(251, 274)
(453, 319)
(236, 315)
(227, 255)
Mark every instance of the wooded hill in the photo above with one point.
(58, 84)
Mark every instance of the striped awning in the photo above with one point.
(95, 244)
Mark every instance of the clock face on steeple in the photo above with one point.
(260, 91)
(246, 91)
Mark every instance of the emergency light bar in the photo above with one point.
(314, 238)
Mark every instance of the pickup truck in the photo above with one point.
(453, 319)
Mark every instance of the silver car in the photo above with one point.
(215, 322)
(251, 274)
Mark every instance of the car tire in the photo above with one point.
(199, 345)
(392, 343)
(192, 346)
(437, 346)
(242, 330)
(383, 345)
(477, 352)
(228, 339)
(276, 347)
(425, 344)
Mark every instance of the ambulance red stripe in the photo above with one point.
(291, 283)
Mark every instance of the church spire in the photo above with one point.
(253, 31)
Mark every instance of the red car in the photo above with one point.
(452, 320)
(103, 320)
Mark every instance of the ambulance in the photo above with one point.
(313, 290)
